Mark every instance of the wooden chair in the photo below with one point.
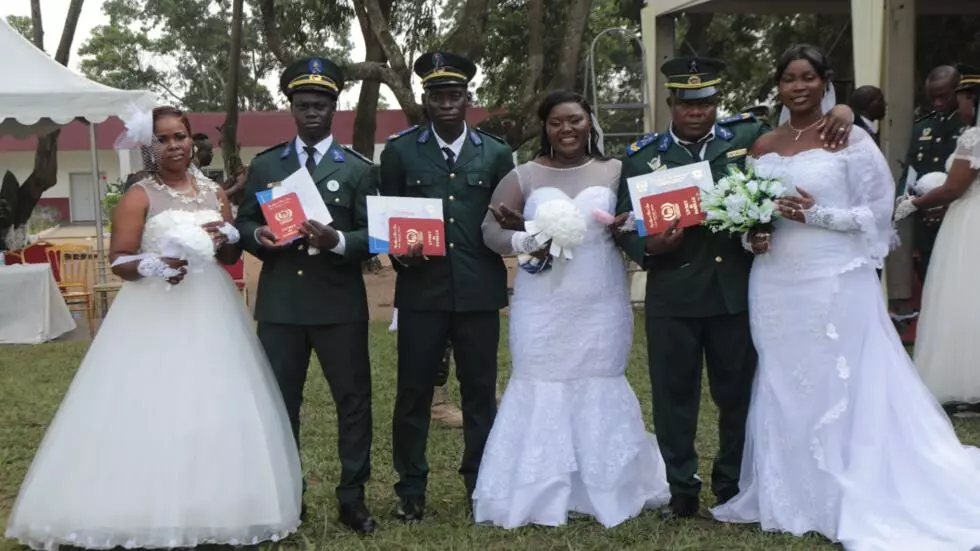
(75, 277)
(237, 273)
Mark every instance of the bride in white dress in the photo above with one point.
(173, 432)
(569, 434)
(947, 350)
(843, 438)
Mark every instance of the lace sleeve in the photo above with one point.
(508, 192)
(871, 190)
(968, 147)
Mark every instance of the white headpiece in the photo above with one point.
(826, 104)
(598, 131)
(139, 134)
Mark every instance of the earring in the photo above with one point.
(552, 151)
(588, 146)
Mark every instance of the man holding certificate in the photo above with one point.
(454, 296)
(697, 281)
(305, 216)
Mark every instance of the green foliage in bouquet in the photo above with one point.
(740, 201)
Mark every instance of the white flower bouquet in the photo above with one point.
(560, 222)
(740, 202)
(185, 238)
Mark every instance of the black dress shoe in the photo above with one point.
(356, 517)
(411, 510)
(681, 506)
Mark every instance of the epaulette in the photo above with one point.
(358, 155)
(273, 148)
(408, 130)
(493, 136)
(638, 145)
(742, 117)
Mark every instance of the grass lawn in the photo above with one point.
(33, 380)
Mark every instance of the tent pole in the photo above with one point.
(99, 234)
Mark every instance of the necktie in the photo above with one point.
(310, 159)
(450, 157)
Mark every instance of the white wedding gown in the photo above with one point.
(173, 432)
(947, 347)
(843, 438)
(569, 435)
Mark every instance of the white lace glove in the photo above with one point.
(525, 243)
(904, 207)
(231, 233)
(153, 266)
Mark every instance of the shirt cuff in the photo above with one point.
(341, 245)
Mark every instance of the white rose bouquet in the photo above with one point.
(740, 202)
(560, 223)
(185, 238)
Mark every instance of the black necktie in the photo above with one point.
(310, 159)
(450, 157)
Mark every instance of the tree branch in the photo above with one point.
(571, 49)
(270, 30)
(382, 31)
(373, 70)
(68, 33)
(467, 39)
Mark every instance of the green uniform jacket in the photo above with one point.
(708, 274)
(295, 287)
(933, 141)
(470, 277)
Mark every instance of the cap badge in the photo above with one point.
(693, 67)
(315, 66)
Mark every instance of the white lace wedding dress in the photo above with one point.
(173, 432)
(947, 347)
(843, 438)
(569, 435)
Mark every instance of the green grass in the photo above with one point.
(34, 379)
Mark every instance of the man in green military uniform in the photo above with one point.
(697, 287)
(933, 141)
(455, 298)
(311, 292)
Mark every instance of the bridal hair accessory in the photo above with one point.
(599, 135)
(139, 135)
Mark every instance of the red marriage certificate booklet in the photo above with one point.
(407, 232)
(284, 215)
(661, 209)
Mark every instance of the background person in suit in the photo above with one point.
(311, 293)
(869, 106)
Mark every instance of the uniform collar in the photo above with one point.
(321, 147)
(705, 139)
(457, 145)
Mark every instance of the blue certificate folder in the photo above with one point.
(382, 208)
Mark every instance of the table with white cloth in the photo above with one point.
(32, 310)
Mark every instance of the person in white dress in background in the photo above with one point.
(569, 434)
(173, 432)
(843, 438)
(947, 350)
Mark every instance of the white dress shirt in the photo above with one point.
(704, 141)
(456, 147)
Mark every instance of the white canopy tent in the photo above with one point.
(38, 95)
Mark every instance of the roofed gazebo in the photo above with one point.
(884, 49)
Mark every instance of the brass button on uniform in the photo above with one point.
(718, 259)
(418, 182)
(452, 175)
(452, 197)
(452, 220)
(336, 199)
(452, 245)
(299, 272)
(301, 247)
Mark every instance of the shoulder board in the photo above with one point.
(927, 116)
(358, 155)
(274, 148)
(493, 136)
(636, 146)
(408, 130)
(737, 118)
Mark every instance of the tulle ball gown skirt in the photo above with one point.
(172, 434)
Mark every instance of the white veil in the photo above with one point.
(826, 104)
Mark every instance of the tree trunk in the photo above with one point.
(45, 174)
(37, 23)
(467, 38)
(366, 119)
(229, 131)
